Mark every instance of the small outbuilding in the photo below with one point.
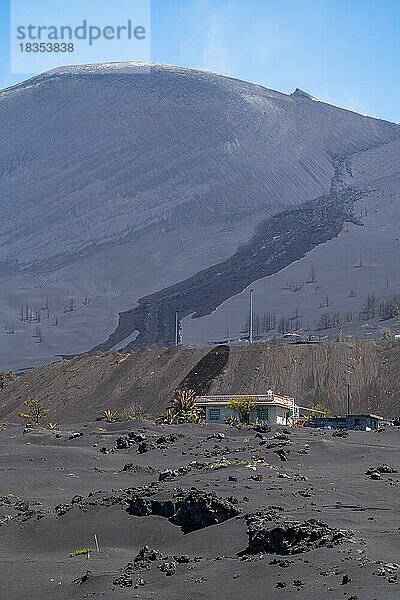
(328, 422)
(361, 422)
(269, 408)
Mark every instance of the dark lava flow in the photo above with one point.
(279, 241)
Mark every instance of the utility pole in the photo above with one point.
(251, 318)
(176, 328)
(348, 398)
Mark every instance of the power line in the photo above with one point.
(251, 318)
(176, 328)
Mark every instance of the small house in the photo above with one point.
(270, 408)
(362, 422)
(328, 422)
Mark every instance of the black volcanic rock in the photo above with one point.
(382, 469)
(200, 509)
(275, 533)
(190, 510)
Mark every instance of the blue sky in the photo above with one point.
(346, 52)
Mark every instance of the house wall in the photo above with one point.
(363, 422)
(277, 415)
(332, 422)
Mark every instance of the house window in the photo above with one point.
(214, 414)
(262, 414)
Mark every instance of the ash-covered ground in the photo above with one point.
(195, 512)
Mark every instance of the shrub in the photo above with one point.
(35, 411)
(320, 410)
(388, 336)
(243, 407)
(233, 421)
(6, 378)
(133, 413)
(169, 416)
(80, 551)
(225, 462)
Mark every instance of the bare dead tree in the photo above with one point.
(326, 302)
(359, 263)
(312, 278)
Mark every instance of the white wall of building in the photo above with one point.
(276, 415)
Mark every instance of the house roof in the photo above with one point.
(336, 418)
(366, 415)
(269, 398)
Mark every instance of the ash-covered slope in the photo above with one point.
(336, 279)
(81, 388)
(118, 181)
(92, 154)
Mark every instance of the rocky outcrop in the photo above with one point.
(382, 469)
(273, 532)
(189, 510)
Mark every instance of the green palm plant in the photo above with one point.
(185, 400)
(183, 407)
(109, 415)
